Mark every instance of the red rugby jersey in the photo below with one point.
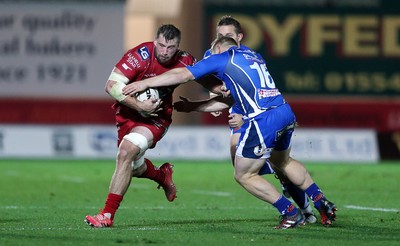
(140, 63)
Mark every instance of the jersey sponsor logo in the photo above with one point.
(263, 93)
(260, 150)
(144, 53)
(133, 61)
(289, 127)
(252, 57)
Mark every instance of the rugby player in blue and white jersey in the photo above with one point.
(228, 26)
(268, 134)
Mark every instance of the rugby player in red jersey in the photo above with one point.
(141, 125)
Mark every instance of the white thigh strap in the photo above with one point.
(138, 140)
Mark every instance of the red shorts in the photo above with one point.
(126, 120)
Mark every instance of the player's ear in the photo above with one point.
(240, 37)
(214, 50)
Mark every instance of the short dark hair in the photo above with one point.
(228, 20)
(223, 40)
(169, 32)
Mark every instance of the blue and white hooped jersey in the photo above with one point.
(246, 76)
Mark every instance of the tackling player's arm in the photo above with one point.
(216, 103)
(178, 76)
(211, 83)
(172, 77)
(114, 85)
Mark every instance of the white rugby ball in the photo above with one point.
(147, 94)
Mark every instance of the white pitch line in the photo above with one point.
(372, 209)
(72, 179)
(127, 207)
(79, 229)
(142, 229)
(212, 193)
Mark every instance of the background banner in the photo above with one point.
(58, 49)
(344, 49)
(189, 143)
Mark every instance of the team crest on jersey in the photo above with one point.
(144, 53)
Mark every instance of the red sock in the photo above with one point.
(112, 204)
(152, 172)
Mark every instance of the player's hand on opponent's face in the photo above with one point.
(183, 105)
(133, 88)
(150, 107)
(235, 120)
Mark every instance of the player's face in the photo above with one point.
(165, 50)
(229, 31)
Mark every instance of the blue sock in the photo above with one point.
(298, 195)
(315, 194)
(284, 206)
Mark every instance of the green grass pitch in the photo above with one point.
(44, 202)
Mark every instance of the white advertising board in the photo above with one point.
(59, 49)
(343, 145)
(190, 143)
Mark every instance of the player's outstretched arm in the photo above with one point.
(217, 103)
(210, 82)
(172, 77)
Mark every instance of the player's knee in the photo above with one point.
(133, 146)
(237, 178)
(122, 154)
(240, 178)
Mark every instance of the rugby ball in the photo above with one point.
(147, 94)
